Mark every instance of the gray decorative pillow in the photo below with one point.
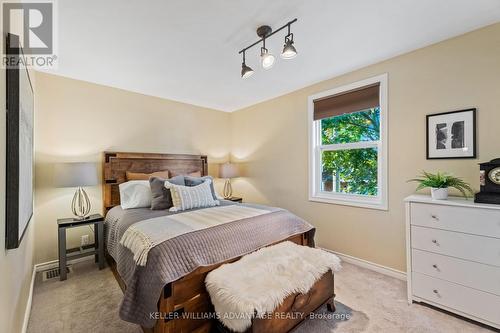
(194, 181)
(189, 197)
(161, 196)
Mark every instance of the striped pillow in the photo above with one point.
(188, 197)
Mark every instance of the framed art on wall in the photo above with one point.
(451, 134)
(19, 159)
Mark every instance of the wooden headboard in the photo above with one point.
(116, 164)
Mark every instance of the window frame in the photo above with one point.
(316, 148)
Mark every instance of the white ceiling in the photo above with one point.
(187, 50)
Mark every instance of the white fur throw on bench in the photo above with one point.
(259, 282)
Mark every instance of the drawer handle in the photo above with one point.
(435, 291)
(435, 217)
(436, 267)
(435, 242)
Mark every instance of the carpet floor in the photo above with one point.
(366, 302)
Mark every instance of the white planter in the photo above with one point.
(439, 193)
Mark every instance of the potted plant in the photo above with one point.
(439, 183)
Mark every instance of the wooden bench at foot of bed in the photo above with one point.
(295, 309)
(188, 296)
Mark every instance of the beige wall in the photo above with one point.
(77, 121)
(271, 139)
(16, 265)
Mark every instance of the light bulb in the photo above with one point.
(267, 59)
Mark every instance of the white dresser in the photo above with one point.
(453, 256)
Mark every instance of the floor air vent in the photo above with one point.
(54, 273)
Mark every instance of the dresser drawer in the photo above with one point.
(485, 250)
(478, 221)
(467, 273)
(474, 302)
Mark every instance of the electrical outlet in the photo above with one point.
(85, 240)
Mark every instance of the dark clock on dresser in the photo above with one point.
(489, 182)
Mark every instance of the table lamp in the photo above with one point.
(228, 171)
(77, 175)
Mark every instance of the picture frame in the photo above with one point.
(19, 146)
(451, 135)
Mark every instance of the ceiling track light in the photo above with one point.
(266, 58)
(246, 71)
(289, 51)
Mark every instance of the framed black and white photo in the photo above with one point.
(451, 134)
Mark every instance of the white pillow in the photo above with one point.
(188, 197)
(135, 194)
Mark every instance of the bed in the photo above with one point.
(168, 294)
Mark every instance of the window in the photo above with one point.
(348, 144)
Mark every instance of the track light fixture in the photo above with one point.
(289, 51)
(267, 59)
(246, 71)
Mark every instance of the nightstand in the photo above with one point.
(98, 250)
(234, 199)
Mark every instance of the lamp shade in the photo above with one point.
(246, 71)
(229, 170)
(75, 174)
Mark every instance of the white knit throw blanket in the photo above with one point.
(143, 236)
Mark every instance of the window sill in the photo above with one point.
(370, 204)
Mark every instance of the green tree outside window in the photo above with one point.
(351, 170)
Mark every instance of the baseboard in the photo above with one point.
(27, 310)
(39, 268)
(371, 265)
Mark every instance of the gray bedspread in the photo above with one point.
(181, 255)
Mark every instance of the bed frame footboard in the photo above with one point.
(184, 305)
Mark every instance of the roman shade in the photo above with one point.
(347, 102)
